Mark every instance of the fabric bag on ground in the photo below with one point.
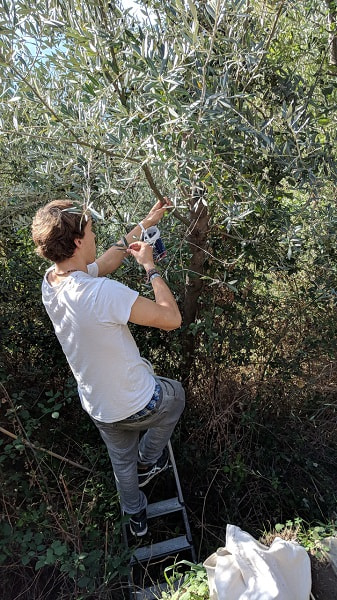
(245, 569)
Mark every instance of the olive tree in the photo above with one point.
(227, 107)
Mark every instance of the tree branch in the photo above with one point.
(97, 148)
(332, 19)
(268, 42)
(33, 447)
(160, 196)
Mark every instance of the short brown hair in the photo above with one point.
(55, 228)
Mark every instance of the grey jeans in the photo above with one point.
(122, 441)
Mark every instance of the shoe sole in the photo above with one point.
(140, 533)
(150, 477)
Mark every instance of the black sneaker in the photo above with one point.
(145, 475)
(138, 523)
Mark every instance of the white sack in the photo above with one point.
(247, 570)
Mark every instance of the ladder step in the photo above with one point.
(161, 549)
(164, 507)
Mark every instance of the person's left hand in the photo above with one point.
(143, 253)
(156, 213)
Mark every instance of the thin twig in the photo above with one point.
(208, 57)
(203, 511)
(34, 447)
(77, 141)
(268, 42)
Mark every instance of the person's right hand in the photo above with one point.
(143, 253)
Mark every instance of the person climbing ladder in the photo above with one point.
(90, 315)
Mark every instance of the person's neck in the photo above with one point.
(66, 267)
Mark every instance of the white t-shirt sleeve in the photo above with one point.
(114, 302)
(93, 269)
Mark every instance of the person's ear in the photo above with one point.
(78, 242)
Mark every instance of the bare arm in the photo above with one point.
(113, 258)
(162, 313)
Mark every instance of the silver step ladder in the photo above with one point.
(153, 554)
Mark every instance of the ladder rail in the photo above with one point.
(181, 498)
(147, 555)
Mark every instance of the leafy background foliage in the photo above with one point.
(230, 109)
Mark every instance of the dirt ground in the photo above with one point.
(324, 580)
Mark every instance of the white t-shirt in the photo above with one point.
(90, 316)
